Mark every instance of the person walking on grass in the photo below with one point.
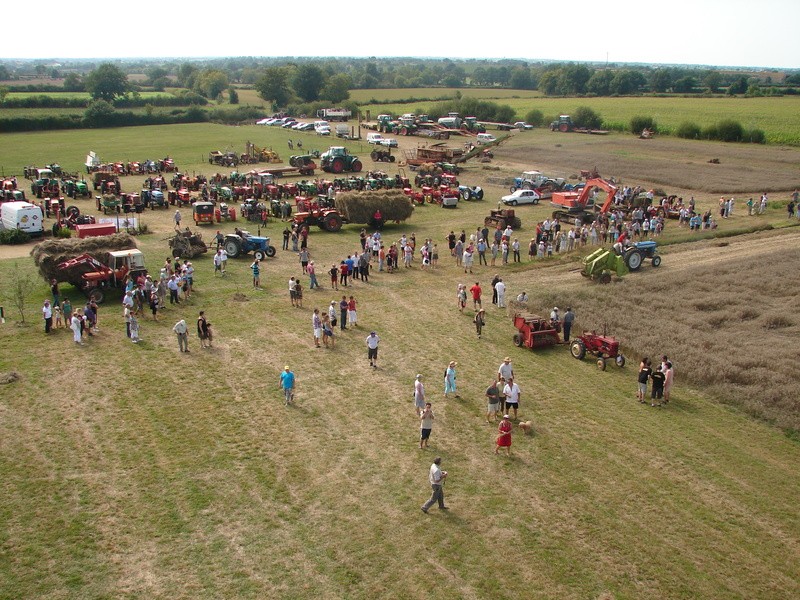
(504, 436)
(476, 292)
(419, 395)
(343, 313)
(203, 330)
(450, 379)
(668, 376)
(426, 424)
(569, 318)
(500, 287)
(352, 317)
(134, 326)
(480, 321)
(286, 383)
(461, 297)
(372, 349)
(436, 478)
(644, 376)
(47, 315)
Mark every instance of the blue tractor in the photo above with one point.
(239, 245)
(636, 254)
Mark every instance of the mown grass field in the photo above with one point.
(135, 471)
(778, 117)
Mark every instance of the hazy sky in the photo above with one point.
(709, 32)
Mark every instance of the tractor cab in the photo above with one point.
(124, 263)
(203, 212)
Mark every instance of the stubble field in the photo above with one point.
(135, 471)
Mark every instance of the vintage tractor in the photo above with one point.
(470, 193)
(74, 188)
(604, 347)
(382, 155)
(304, 163)
(92, 276)
(100, 178)
(203, 212)
(502, 218)
(639, 251)
(224, 213)
(337, 160)
(45, 187)
(328, 219)
(154, 198)
(239, 245)
(601, 264)
(534, 331)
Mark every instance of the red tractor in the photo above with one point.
(603, 347)
(328, 219)
(534, 331)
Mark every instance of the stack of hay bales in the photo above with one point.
(359, 207)
(49, 254)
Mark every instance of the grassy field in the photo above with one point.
(778, 117)
(72, 95)
(367, 96)
(136, 471)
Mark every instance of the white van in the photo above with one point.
(485, 138)
(22, 215)
(374, 138)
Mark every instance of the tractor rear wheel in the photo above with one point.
(337, 165)
(656, 261)
(578, 349)
(233, 248)
(374, 155)
(97, 295)
(563, 128)
(527, 186)
(73, 211)
(176, 253)
(601, 363)
(633, 260)
(518, 340)
(271, 251)
(332, 223)
(516, 223)
(356, 166)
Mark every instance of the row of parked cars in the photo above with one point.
(319, 127)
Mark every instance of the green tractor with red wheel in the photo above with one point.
(338, 160)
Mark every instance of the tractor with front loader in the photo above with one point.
(338, 160)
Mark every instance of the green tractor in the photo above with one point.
(471, 124)
(601, 264)
(74, 188)
(337, 160)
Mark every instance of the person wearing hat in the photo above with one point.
(372, 349)
(450, 379)
(504, 436)
(287, 385)
(554, 316)
(419, 395)
(332, 313)
(505, 371)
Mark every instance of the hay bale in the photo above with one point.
(359, 207)
(48, 254)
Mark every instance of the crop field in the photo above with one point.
(779, 117)
(369, 95)
(131, 471)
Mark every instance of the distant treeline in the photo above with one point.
(187, 98)
(117, 118)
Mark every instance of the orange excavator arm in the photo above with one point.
(604, 185)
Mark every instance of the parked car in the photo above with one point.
(289, 122)
(374, 138)
(388, 142)
(522, 125)
(522, 197)
(305, 127)
(485, 138)
(264, 121)
(322, 130)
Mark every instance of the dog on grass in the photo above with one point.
(526, 426)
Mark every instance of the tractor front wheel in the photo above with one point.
(656, 261)
(259, 255)
(518, 340)
(356, 166)
(578, 349)
(620, 360)
(271, 251)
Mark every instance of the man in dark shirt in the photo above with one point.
(493, 402)
(657, 393)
